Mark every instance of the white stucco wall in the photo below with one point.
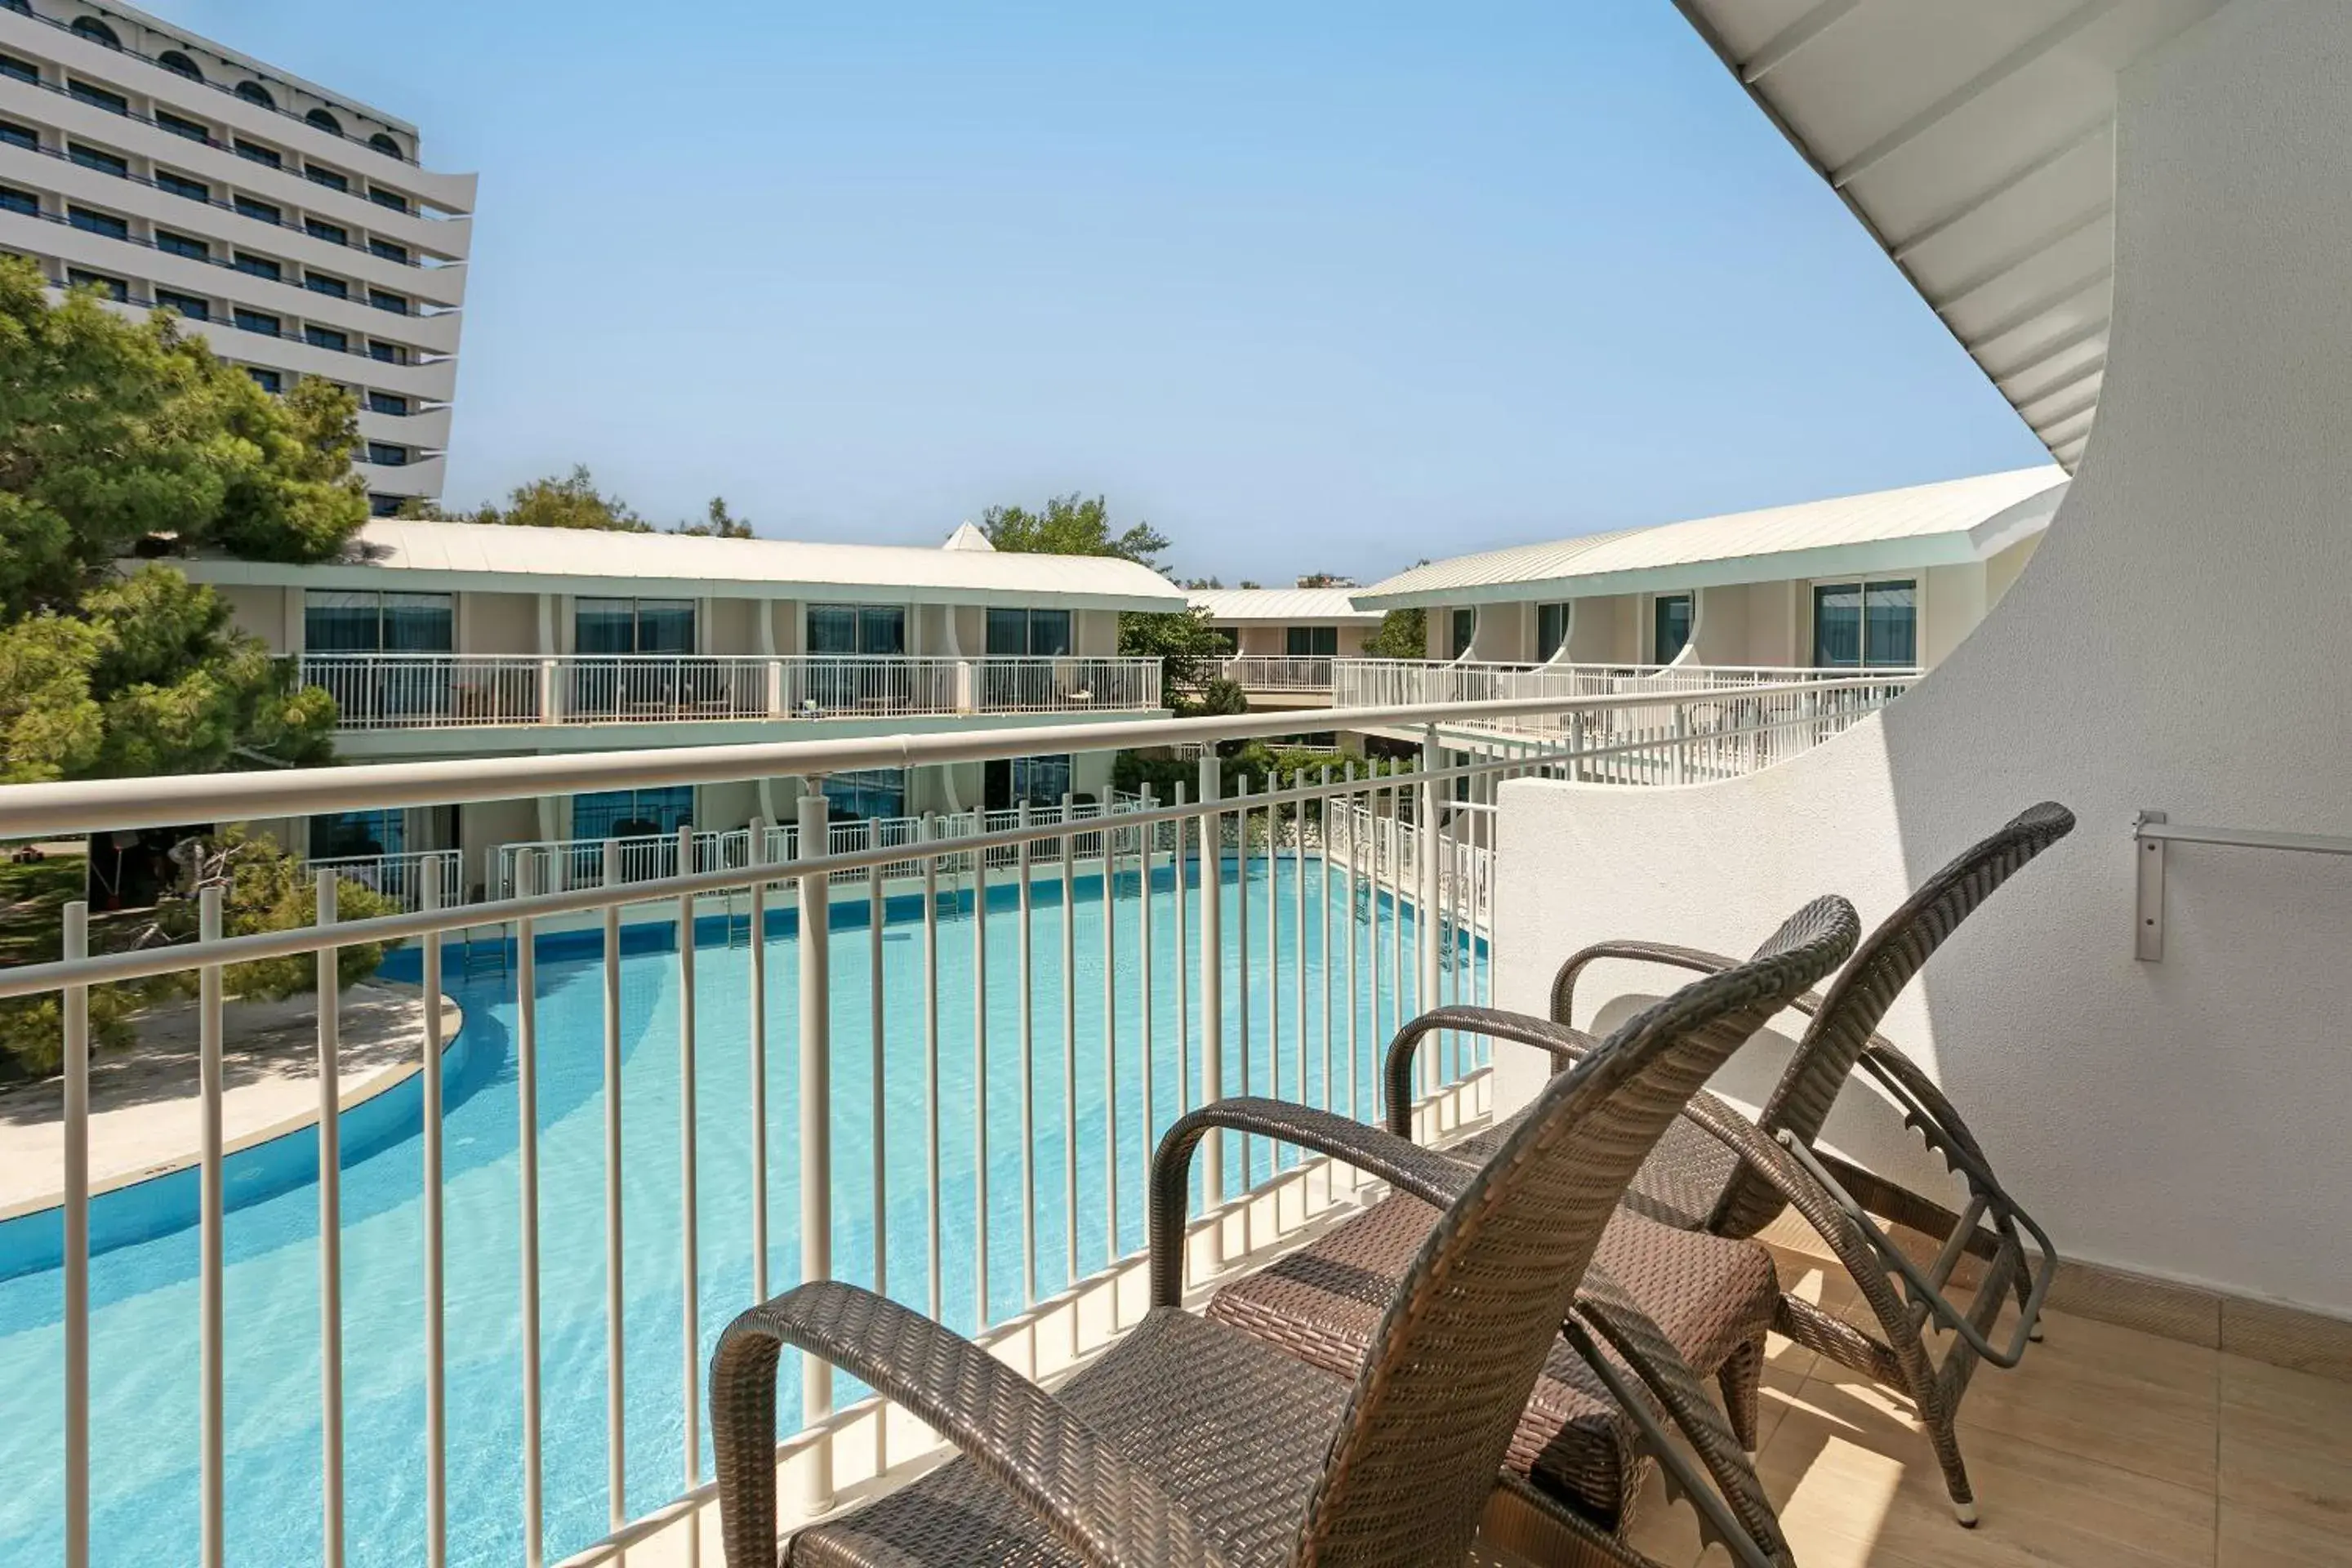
(2187, 1119)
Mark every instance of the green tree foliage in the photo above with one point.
(1071, 525)
(269, 890)
(718, 523)
(1189, 652)
(112, 433)
(1404, 634)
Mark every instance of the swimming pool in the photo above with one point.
(145, 1392)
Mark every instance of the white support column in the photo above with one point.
(816, 1124)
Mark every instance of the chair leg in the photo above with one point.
(1739, 1378)
(1947, 1443)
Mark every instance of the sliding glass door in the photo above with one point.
(1866, 626)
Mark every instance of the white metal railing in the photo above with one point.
(394, 690)
(403, 879)
(1278, 672)
(994, 1053)
(1699, 722)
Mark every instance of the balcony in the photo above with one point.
(970, 1070)
(432, 691)
(1294, 676)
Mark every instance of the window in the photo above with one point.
(332, 233)
(328, 338)
(1551, 629)
(114, 289)
(1873, 626)
(106, 224)
(383, 506)
(181, 186)
(342, 835)
(183, 245)
(865, 792)
(98, 97)
(15, 201)
(258, 153)
(261, 267)
(1669, 627)
(392, 199)
(1465, 631)
(343, 620)
(327, 177)
(857, 628)
(177, 126)
(269, 381)
(1310, 642)
(261, 210)
(23, 136)
(97, 32)
(388, 250)
(386, 403)
(333, 288)
(631, 813)
(96, 158)
(188, 305)
(390, 353)
(22, 71)
(172, 61)
(1010, 783)
(253, 93)
(259, 322)
(633, 625)
(386, 145)
(384, 455)
(324, 122)
(1038, 634)
(383, 299)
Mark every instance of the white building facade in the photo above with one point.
(442, 640)
(291, 226)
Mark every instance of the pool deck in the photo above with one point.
(143, 1119)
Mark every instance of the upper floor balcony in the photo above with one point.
(425, 691)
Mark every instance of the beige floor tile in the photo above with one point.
(2281, 1405)
(2253, 1539)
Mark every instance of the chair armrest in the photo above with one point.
(1096, 1501)
(1568, 1047)
(1735, 1511)
(1402, 1163)
(1563, 984)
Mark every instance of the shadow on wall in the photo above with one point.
(2182, 1119)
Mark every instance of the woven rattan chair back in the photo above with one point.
(1458, 1353)
(1858, 999)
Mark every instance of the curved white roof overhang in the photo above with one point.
(1975, 139)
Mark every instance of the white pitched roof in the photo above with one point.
(967, 537)
(1921, 525)
(445, 555)
(1293, 607)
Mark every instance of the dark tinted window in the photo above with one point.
(259, 322)
(179, 127)
(15, 201)
(326, 338)
(388, 250)
(179, 64)
(183, 245)
(253, 93)
(106, 224)
(99, 98)
(96, 158)
(335, 286)
(261, 210)
(261, 267)
(19, 135)
(332, 233)
(114, 289)
(327, 177)
(181, 186)
(188, 305)
(325, 122)
(392, 199)
(258, 153)
(384, 300)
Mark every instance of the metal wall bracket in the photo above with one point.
(2147, 925)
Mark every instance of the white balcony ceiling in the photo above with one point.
(1945, 523)
(1975, 139)
(494, 558)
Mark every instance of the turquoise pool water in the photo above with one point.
(143, 1418)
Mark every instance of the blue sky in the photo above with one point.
(1311, 287)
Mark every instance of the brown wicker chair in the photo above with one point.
(1716, 1172)
(1189, 1443)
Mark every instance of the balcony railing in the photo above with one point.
(1309, 673)
(404, 879)
(933, 1064)
(400, 692)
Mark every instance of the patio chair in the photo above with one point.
(1187, 1442)
(1719, 1173)
(1711, 1297)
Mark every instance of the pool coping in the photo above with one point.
(382, 1081)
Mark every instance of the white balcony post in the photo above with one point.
(1424, 917)
(816, 1122)
(1682, 742)
(775, 689)
(1213, 982)
(550, 692)
(966, 689)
